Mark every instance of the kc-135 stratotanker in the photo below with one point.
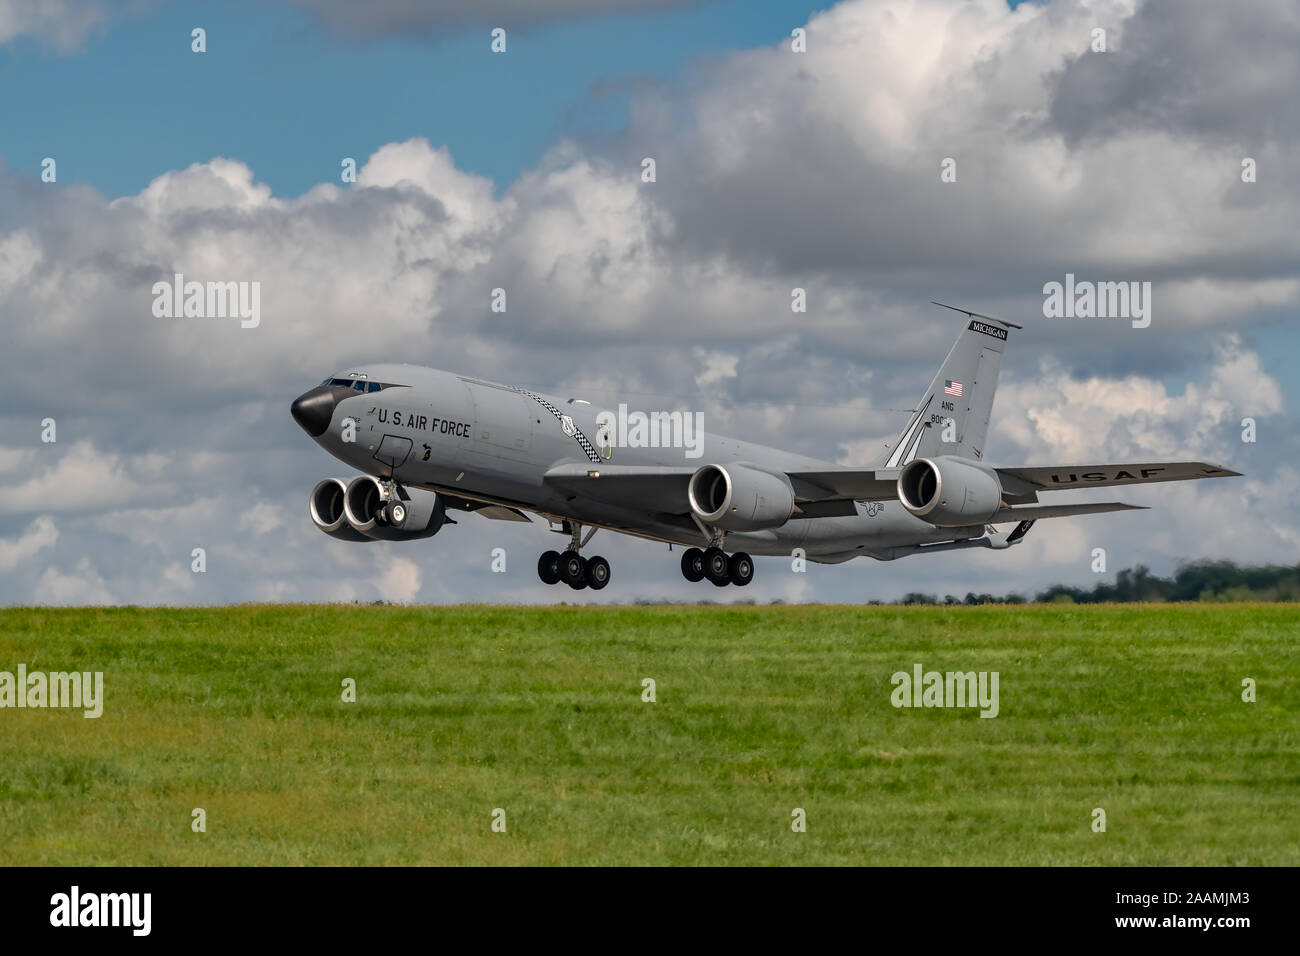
(432, 443)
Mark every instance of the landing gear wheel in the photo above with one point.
(548, 567)
(573, 570)
(740, 568)
(693, 564)
(597, 574)
(395, 513)
(715, 566)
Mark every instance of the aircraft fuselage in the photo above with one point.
(484, 441)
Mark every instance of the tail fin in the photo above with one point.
(962, 392)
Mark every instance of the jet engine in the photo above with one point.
(950, 492)
(326, 507)
(740, 498)
(415, 514)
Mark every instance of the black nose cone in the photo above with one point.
(313, 410)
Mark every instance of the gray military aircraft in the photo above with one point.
(431, 443)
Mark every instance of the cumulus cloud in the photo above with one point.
(82, 477)
(775, 170)
(1065, 419)
(399, 580)
(82, 586)
(261, 518)
(717, 366)
(40, 534)
(830, 160)
(1207, 70)
(63, 24)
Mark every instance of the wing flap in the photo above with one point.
(830, 508)
(1032, 513)
(502, 513)
(845, 484)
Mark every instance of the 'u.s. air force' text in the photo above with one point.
(441, 426)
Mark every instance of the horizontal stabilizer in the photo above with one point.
(976, 315)
(1034, 512)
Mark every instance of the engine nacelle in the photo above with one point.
(326, 508)
(949, 492)
(740, 498)
(419, 515)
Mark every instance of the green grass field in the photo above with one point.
(759, 710)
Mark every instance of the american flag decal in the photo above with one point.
(952, 388)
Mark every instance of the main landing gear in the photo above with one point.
(571, 567)
(713, 563)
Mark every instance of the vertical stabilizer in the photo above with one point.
(961, 393)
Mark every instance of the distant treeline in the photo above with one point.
(1199, 581)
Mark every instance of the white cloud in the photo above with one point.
(1063, 419)
(717, 366)
(399, 580)
(262, 518)
(64, 24)
(38, 535)
(83, 586)
(82, 477)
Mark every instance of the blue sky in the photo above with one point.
(278, 92)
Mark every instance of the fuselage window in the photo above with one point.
(375, 386)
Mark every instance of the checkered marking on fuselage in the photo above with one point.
(578, 436)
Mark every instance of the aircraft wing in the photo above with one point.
(829, 491)
(1057, 477)
(664, 489)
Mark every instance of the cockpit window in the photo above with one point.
(361, 385)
